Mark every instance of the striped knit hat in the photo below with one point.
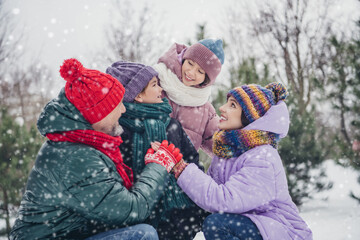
(255, 100)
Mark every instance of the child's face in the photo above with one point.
(192, 74)
(151, 94)
(230, 115)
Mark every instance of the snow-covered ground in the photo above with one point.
(338, 218)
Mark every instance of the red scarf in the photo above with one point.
(107, 144)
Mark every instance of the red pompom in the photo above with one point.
(71, 70)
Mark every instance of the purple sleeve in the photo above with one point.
(250, 187)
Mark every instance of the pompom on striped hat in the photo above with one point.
(255, 100)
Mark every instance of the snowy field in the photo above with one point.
(337, 218)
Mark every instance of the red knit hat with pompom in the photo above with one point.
(93, 93)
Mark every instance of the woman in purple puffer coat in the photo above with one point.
(245, 187)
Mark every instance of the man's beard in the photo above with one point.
(116, 130)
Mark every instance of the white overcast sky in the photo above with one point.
(62, 29)
(55, 30)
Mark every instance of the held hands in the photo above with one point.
(167, 155)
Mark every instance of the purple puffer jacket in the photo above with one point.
(199, 122)
(253, 184)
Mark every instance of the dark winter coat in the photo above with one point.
(74, 191)
(175, 134)
(174, 197)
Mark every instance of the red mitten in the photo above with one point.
(167, 155)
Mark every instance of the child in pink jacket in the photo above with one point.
(186, 74)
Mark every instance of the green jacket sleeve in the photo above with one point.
(93, 188)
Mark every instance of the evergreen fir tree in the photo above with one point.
(345, 98)
(18, 149)
(302, 155)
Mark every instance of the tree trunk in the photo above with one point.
(342, 120)
(6, 208)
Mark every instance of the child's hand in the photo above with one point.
(155, 145)
(167, 155)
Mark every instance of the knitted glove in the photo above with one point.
(178, 168)
(167, 155)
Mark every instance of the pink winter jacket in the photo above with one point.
(199, 122)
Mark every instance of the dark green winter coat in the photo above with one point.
(74, 191)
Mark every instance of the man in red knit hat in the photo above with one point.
(79, 186)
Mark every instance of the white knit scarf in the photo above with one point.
(178, 92)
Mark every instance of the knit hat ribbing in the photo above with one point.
(216, 46)
(255, 100)
(133, 76)
(209, 54)
(93, 93)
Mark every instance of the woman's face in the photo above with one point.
(230, 115)
(192, 74)
(151, 94)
